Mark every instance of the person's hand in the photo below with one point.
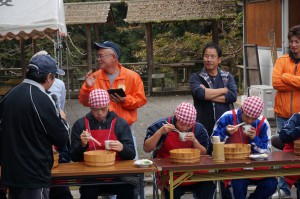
(116, 98)
(90, 79)
(115, 145)
(166, 128)
(251, 133)
(190, 137)
(225, 90)
(63, 115)
(231, 129)
(202, 86)
(85, 137)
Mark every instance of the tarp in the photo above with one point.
(31, 18)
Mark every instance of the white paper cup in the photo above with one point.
(107, 146)
(216, 139)
(246, 128)
(182, 136)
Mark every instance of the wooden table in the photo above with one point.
(187, 70)
(76, 173)
(215, 173)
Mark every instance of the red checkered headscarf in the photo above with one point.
(98, 98)
(253, 106)
(186, 113)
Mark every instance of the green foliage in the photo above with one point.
(172, 42)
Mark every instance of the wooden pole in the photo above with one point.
(215, 32)
(149, 46)
(22, 58)
(89, 44)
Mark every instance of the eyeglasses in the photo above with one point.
(210, 56)
(102, 56)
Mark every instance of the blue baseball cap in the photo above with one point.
(108, 45)
(44, 63)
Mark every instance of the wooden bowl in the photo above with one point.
(55, 159)
(297, 147)
(99, 158)
(237, 151)
(185, 155)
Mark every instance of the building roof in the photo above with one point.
(178, 10)
(86, 12)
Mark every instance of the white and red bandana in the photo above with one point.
(186, 113)
(98, 98)
(253, 106)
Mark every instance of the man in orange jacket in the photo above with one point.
(286, 80)
(111, 74)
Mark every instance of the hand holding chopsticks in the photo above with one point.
(85, 136)
(231, 129)
(174, 129)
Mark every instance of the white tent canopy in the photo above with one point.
(31, 18)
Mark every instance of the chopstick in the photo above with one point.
(175, 129)
(95, 140)
(240, 124)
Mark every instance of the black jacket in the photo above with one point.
(122, 131)
(209, 112)
(29, 126)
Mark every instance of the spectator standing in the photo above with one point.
(29, 126)
(59, 89)
(161, 138)
(214, 91)
(112, 74)
(285, 79)
(258, 136)
(102, 124)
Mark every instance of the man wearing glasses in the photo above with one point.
(112, 75)
(214, 91)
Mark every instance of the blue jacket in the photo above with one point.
(291, 130)
(260, 144)
(209, 112)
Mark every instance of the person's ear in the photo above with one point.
(50, 77)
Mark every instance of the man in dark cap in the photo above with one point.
(29, 126)
(112, 74)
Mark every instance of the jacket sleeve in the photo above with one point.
(231, 95)
(195, 83)
(291, 80)
(76, 149)
(220, 127)
(291, 130)
(84, 94)
(261, 143)
(124, 136)
(63, 97)
(151, 130)
(136, 98)
(64, 153)
(201, 135)
(279, 81)
(53, 124)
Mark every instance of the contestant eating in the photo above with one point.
(163, 136)
(102, 124)
(257, 134)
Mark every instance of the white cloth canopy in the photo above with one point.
(31, 18)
